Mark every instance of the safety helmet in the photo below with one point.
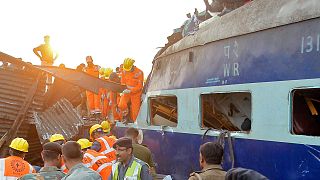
(56, 137)
(113, 137)
(107, 72)
(101, 71)
(127, 64)
(84, 143)
(105, 126)
(94, 127)
(19, 144)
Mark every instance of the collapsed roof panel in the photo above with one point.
(60, 118)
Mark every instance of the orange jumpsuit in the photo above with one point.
(105, 108)
(93, 99)
(114, 101)
(134, 81)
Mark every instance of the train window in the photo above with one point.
(306, 112)
(163, 111)
(228, 111)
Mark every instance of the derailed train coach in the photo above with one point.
(253, 73)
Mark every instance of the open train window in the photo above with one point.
(163, 111)
(306, 112)
(228, 111)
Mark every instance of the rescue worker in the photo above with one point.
(51, 156)
(94, 160)
(46, 55)
(58, 138)
(211, 154)
(102, 144)
(72, 155)
(127, 166)
(139, 151)
(92, 99)
(105, 93)
(114, 98)
(132, 77)
(15, 166)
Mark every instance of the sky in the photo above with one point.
(109, 31)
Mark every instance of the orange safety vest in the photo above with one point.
(14, 167)
(97, 162)
(106, 149)
(63, 167)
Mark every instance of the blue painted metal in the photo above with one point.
(177, 154)
(288, 52)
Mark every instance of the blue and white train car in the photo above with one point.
(253, 72)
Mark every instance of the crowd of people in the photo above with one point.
(123, 106)
(104, 157)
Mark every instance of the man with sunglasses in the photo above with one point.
(127, 166)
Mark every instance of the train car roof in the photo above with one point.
(255, 16)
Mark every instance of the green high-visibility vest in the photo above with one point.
(132, 173)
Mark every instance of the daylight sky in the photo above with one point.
(107, 30)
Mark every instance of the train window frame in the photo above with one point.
(310, 106)
(201, 112)
(150, 121)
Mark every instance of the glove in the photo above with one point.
(126, 91)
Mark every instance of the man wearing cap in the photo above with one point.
(72, 156)
(102, 144)
(127, 166)
(51, 155)
(15, 166)
(139, 151)
(94, 160)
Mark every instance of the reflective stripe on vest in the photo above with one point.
(105, 147)
(94, 160)
(133, 172)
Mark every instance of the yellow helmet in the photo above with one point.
(94, 127)
(113, 137)
(107, 72)
(101, 71)
(105, 126)
(56, 137)
(127, 64)
(84, 143)
(19, 144)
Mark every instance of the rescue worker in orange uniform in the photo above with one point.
(102, 143)
(92, 99)
(15, 166)
(105, 93)
(94, 160)
(114, 98)
(132, 77)
(58, 138)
